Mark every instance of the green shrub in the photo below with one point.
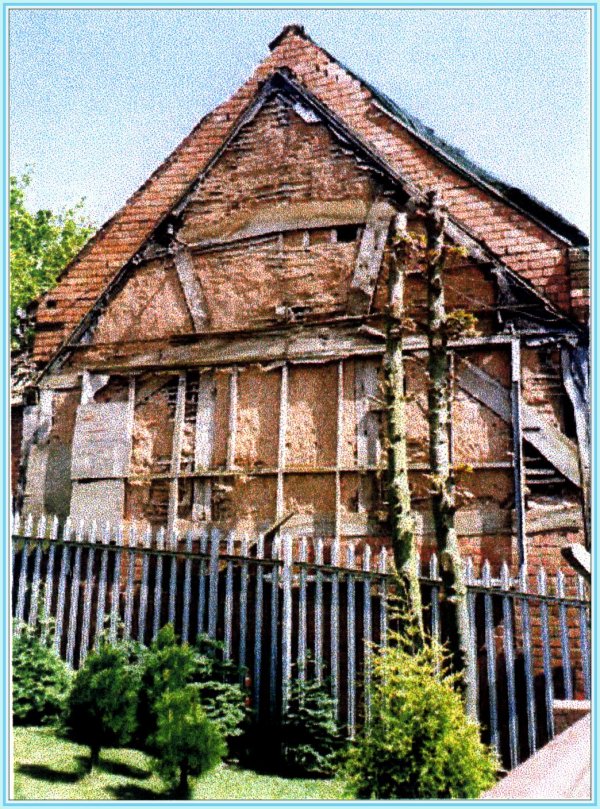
(420, 743)
(169, 666)
(102, 706)
(40, 680)
(310, 737)
(186, 742)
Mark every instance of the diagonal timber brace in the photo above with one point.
(559, 450)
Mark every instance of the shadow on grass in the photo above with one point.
(124, 770)
(49, 774)
(133, 792)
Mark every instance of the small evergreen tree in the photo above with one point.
(420, 742)
(310, 737)
(102, 706)
(186, 742)
(40, 680)
(168, 666)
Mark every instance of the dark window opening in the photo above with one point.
(347, 233)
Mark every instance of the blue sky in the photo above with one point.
(98, 98)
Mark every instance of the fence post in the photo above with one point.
(74, 605)
(490, 648)
(62, 584)
(15, 532)
(87, 596)
(319, 609)
(37, 568)
(28, 532)
(383, 616)
(564, 636)
(228, 617)
(286, 635)
(367, 628)
(131, 553)
(303, 555)
(275, 553)
(115, 596)
(334, 629)
(351, 644)
(160, 545)
(101, 607)
(147, 544)
(243, 602)
(584, 644)
(202, 583)
(187, 589)
(174, 545)
(545, 632)
(471, 596)
(528, 661)
(509, 658)
(213, 584)
(258, 622)
(435, 600)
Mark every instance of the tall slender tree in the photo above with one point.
(454, 603)
(402, 522)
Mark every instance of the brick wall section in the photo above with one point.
(525, 246)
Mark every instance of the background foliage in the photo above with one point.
(41, 245)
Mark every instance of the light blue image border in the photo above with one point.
(4, 441)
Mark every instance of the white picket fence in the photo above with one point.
(301, 607)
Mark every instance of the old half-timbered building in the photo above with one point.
(214, 353)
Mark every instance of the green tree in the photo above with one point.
(186, 742)
(102, 705)
(41, 245)
(419, 744)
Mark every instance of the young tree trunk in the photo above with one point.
(94, 756)
(183, 787)
(402, 523)
(443, 494)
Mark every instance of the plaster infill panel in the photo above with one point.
(312, 416)
(258, 418)
(100, 500)
(101, 442)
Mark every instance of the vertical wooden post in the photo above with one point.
(338, 453)
(203, 447)
(233, 409)
(517, 439)
(176, 455)
(283, 416)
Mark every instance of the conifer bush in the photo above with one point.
(310, 736)
(102, 706)
(40, 680)
(170, 665)
(186, 742)
(419, 743)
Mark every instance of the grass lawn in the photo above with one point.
(49, 768)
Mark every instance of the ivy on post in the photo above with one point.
(443, 490)
(401, 519)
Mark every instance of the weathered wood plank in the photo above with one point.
(370, 254)
(192, 289)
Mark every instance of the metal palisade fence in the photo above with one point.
(293, 607)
